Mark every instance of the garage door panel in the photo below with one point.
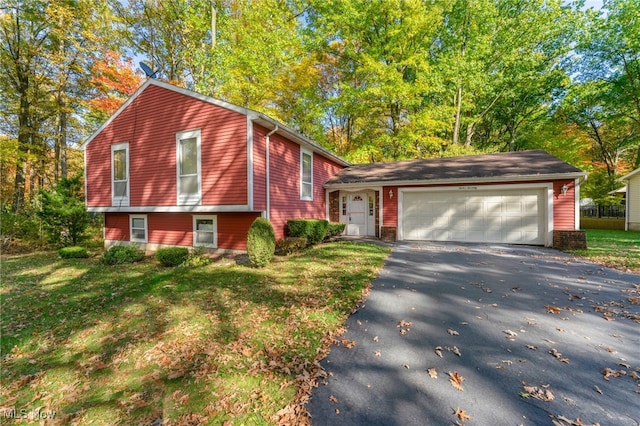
(510, 216)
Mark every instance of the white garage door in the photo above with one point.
(515, 216)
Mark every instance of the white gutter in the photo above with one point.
(268, 172)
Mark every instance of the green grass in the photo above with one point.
(131, 344)
(618, 249)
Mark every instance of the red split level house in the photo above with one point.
(176, 168)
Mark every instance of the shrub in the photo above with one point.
(122, 254)
(335, 229)
(314, 230)
(63, 213)
(73, 252)
(290, 245)
(172, 256)
(261, 242)
(196, 258)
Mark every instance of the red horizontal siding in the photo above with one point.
(176, 229)
(116, 227)
(259, 168)
(390, 206)
(150, 124)
(564, 216)
(170, 228)
(285, 184)
(233, 228)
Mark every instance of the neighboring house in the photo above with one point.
(175, 168)
(632, 220)
(514, 197)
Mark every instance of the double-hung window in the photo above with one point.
(138, 228)
(306, 175)
(189, 169)
(205, 231)
(120, 174)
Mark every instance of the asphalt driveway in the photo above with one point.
(487, 335)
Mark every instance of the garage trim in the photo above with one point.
(548, 201)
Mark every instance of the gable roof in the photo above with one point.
(257, 117)
(507, 166)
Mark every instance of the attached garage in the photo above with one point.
(512, 197)
(477, 214)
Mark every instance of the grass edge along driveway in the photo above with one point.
(613, 248)
(134, 344)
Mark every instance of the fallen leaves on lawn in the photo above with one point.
(453, 332)
(542, 392)
(558, 356)
(334, 399)
(461, 415)
(433, 373)
(533, 348)
(456, 380)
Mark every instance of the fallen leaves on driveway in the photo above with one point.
(438, 350)
(461, 415)
(542, 392)
(558, 356)
(404, 326)
(433, 373)
(456, 380)
(348, 343)
(552, 309)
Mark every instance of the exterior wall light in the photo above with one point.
(391, 193)
(564, 189)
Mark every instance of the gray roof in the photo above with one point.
(507, 166)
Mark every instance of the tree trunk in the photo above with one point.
(23, 146)
(471, 129)
(456, 124)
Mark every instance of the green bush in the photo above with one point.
(121, 254)
(314, 230)
(73, 252)
(172, 256)
(261, 242)
(334, 230)
(63, 212)
(196, 258)
(290, 245)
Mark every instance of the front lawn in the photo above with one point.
(618, 249)
(136, 344)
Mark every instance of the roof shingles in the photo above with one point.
(499, 166)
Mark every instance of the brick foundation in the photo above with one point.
(569, 239)
(389, 234)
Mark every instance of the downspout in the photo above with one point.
(267, 172)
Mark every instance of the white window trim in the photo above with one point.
(310, 154)
(191, 200)
(119, 201)
(215, 230)
(146, 228)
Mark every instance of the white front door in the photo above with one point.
(357, 214)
